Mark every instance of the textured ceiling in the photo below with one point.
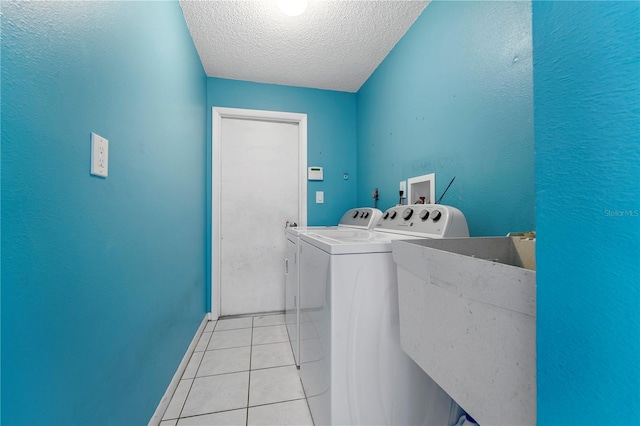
(334, 45)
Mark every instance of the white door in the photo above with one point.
(261, 185)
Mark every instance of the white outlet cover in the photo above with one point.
(99, 155)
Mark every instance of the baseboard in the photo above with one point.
(166, 398)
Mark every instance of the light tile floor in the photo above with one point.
(241, 373)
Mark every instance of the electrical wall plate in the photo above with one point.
(315, 173)
(99, 155)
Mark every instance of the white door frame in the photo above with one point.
(248, 114)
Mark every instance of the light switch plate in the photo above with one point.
(99, 155)
(319, 197)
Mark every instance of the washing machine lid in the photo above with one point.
(354, 241)
(295, 232)
(358, 218)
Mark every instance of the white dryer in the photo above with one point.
(352, 366)
(358, 218)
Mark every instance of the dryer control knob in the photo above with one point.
(385, 215)
(355, 214)
(436, 215)
(366, 215)
(406, 214)
(424, 214)
(393, 214)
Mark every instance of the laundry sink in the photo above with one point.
(468, 319)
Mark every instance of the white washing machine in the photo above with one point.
(359, 218)
(352, 366)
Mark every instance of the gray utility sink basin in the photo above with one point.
(468, 318)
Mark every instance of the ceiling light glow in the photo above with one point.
(292, 7)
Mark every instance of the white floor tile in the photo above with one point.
(209, 327)
(192, 367)
(271, 355)
(217, 393)
(230, 339)
(203, 342)
(177, 401)
(271, 334)
(234, 323)
(225, 418)
(291, 413)
(274, 385)
(222, 361)
(265, 320)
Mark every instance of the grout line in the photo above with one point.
(207, 414)
(249, 387)
(215, 330)
(258, 314)
(279, 402)
(208, 341)
(185, 399)
(307, 401)
(242, 371)
(274, 366)
(195, 375)
(268, 343)
(224, 349)
(221, 374)
(200, 363)
(234, 372)
(230, 347)
(236, 409)
(269, 325)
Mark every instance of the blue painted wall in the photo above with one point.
(587, 126)
(331, 136)
(103, 279)
(455, 97)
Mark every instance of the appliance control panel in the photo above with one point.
(430, 220)
(361, 218)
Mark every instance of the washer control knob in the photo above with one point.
(406, 214)
(366, 215)
(436, 215)
(385, 215)
(424, 214)
(355, 214)
(393, 214)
